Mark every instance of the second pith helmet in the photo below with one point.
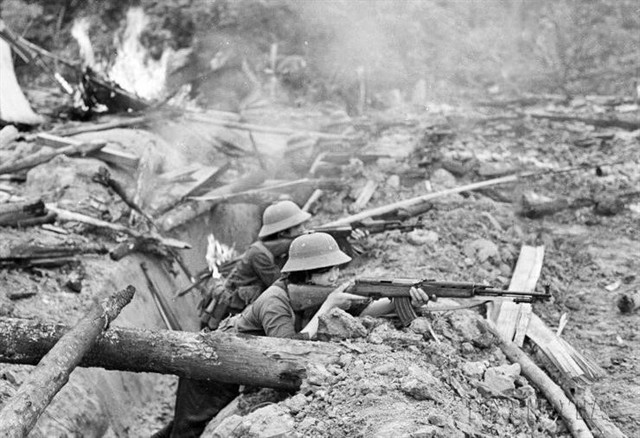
(314, 251)
(281, 216)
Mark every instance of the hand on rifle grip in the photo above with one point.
(359, 233)
(419, 297)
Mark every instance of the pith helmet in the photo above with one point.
(281, 216)
(314, 251)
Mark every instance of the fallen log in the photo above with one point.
(21, 412)
(629, 301)
(43, 157)
(247, 360)
(601, 122)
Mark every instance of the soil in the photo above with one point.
(398, 381)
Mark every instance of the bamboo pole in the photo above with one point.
(43, 157)
(22, 411)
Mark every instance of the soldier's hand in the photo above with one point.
(419, 297)
(340, 298)
(359, 234)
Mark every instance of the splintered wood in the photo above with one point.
(514, 321)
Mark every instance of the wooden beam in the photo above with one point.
(390, 208)
(513, 319)
(70, 216)
(222, 356)
(108, 154)
(42, 157)
(261, 128)
(20, 413)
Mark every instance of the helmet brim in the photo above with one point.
(316, 262)
(270, 229)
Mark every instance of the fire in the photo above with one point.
(80, 31)
(217, 254)
(134, 70)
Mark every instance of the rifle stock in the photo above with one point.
(308, 296)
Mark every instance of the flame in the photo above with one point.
(133, 69)
(217, 254)
(80, 31)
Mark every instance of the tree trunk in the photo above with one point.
(248, 360)
(21, 412)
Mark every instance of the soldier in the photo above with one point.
(259, 266)
(313, 259)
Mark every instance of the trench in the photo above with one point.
(97, 402)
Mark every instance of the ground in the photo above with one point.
(402, 382)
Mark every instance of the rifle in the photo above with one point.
(342, 233)
(308, 296)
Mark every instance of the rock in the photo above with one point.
(438, 420)
(393, 181)
(474, 369)
(467, 348)
(573, 303)
(318, 375)
(422, 237)
(338, 324)
(501, 380)
(441, 180)
(227, 427)
(483, 250)
(385, 369)
(296, 403)
(421, 326)
(267, 422)
(426, 432)
(422, 385)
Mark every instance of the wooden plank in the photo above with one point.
(108, 154)
(512, 318)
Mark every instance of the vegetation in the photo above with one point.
(572, 46)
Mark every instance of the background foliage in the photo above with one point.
(572, 46)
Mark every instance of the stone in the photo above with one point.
(338, 324)
(420, 237)
(296, 403)
(474, 369)
(483, 250)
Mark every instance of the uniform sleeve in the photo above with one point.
(277, 319)
(267, 271)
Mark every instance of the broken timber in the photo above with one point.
(108, 154)
(265, 129)
(552, 392)
(604, 123)
(93, 127)
(12, 213)
(513, 318)
(248, 360)
(21, 412)
(64, 215)
(44, 156)
(407, 203)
